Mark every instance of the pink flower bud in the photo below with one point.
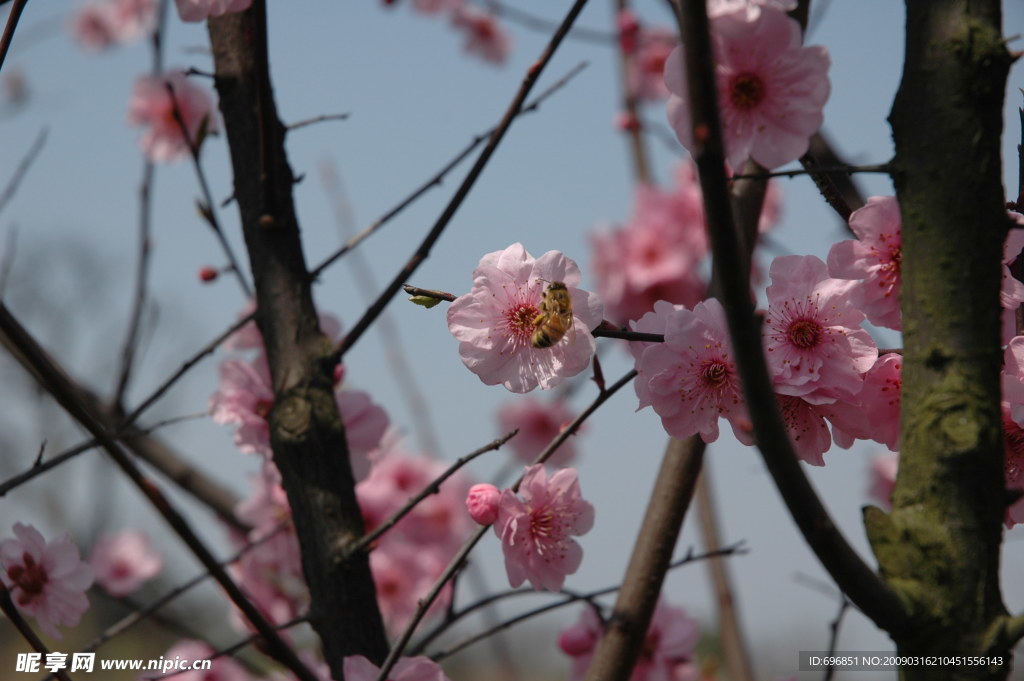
(629, 28)
(577, 640)
(482, 503)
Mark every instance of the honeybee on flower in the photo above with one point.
(503, 323)
(555, 318)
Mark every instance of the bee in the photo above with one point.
(555, 318)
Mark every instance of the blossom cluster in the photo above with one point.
(830, 382)
(49, 580)
(660, 253)
(771, 88)
(171, 106)
(101, 24)
(536, 525)
(176, 113)
(648, 49)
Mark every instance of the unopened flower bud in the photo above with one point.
(482, 503)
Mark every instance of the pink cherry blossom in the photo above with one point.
(46, 580)
(358, 668)
(848, 419)
(410, 556)
(1013, 466)
(482, 503)
(198, 10)
(814, 343)
(692, 379)
(1013, 378)
(629, 30)
(880, 398)
(438, 520)
(657, 254)
(92, 25)
(404, 573)
(883, 477)
(270, 570)
(123, 561)
(495, 320)
(245, 398)
(536, 528)
(875, 258)
(270, 573)
(539, 423)
(485, 37)
(647, 67)
(717, 8)
(266, 508)
(151, 105)
(668, 652)
(1011, 294)
(654, 321)
(807, 429)
(100, 25)
(222, 668)
(771, 90)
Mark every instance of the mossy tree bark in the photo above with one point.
(939, 547)
(307, 435)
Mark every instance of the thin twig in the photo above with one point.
(396, 355)
(7, 263)
(604, 330)
(833, 638)
(569, 597)
(14, 615)
(838, 170)
(141, 279)
(734, 648)
(574, 426)
(423, 252)
(23, 165)
(631, 104)
(433, 488)
(40, 467)
(435, 181)
(169, 382)
(429, 293)
(455, 564)
(145, 231)
(317, 119)
(542, 25)
(206, 206)
(12, 24)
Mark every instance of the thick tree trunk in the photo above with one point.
(939, 547)
(307, 435)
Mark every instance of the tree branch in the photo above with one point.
(306, 431)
